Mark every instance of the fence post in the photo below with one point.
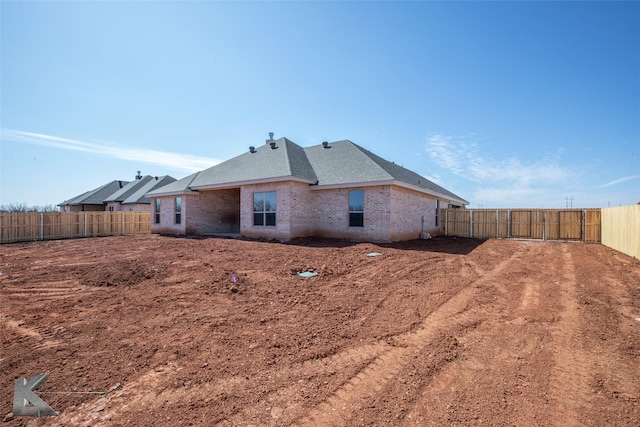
(122, 223)
(85, 224)
(446, 222)
(544, 226)
(508, 223)
(470, 223)
(41, 225)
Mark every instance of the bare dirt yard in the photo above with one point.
(223, 332)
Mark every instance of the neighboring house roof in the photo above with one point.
(96, 196)
(135, 191)
(336, 164)
(126, 191)
(140, 195)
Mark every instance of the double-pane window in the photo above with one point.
(178, 210)
(356, 208)
(264, 208)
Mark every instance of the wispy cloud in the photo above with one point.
(177, 161)
(618, 181)
(500, 181)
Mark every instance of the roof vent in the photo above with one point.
(325, 144)
(139, 176)
(273, 145)
(252, 149)
(156, 178)
(271, 136)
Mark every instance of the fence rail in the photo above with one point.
(543, 224)
(30, 226)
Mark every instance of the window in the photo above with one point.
(157, 211)
(437, 212)
(264, 208)
(178, 210)
(356, 208)
(110, 208)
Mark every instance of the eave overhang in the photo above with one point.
(238, 184)
(402, 184)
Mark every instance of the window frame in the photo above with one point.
(178, 210)
(356, 213)
(265, 210)
(157, 206)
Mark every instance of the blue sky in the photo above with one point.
(507, 104)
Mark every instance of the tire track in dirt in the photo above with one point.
(36, 293)
(607, 302)
(570, 375)
(39, 337)
(337, 408)
(503, 349)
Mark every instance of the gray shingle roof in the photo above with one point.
(342, 164)
(128, 190)
(96, 196)
(286, 160)
(177, 187)
(140, 195)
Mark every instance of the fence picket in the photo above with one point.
(30, 226)
(541, 224)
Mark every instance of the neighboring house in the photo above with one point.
(92, 200)
(283, 191)
(132, 197)
(117, 196)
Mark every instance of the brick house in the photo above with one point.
(118, 195)
(133, 196)
(282, 191)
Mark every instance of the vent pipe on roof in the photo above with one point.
(273, 145)
(139, 176)
(325, 144)
(270, 140)
(252, 149)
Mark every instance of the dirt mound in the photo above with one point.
(121, 273)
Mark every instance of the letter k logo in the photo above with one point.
(26, 402)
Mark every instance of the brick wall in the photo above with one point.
(409, 209)
(136, 207)
(167, 215)
(215, 211)
(83, 208)
(129, 207)
(293, 211)
(390, 213)
(331, 214)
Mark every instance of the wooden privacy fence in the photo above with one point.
(544, 224)
(621, 229)
(29, 226)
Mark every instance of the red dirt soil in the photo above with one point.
(222, 332)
